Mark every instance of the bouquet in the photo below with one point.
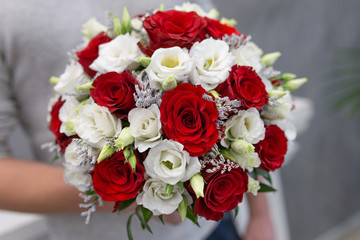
(172, 110)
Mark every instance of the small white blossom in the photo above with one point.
(73, 76)
(169, 162)
(145, 126)
(247, 124)
(253, 186)
(81, 180)
(154, 197)
(278, 109)
(118, 55)
(212, 63)
(249, 54)
(95, 123)
(67, 115)
(91, 28)
(168, 63)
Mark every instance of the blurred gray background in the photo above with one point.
(322, 180)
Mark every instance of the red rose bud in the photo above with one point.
(272, 148)
(173, 28)
(245, 85)
(190, 119)
(60, 138)
(91, 52)
(115, 91)
(114, 180)
(217, 30)
(223, 192)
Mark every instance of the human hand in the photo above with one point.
(260, 228)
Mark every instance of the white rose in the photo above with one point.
(154, 198)
(168, 162)
(145, 126)
(247, 124)
(95, 123)
(67, 115)
(278, 109)
(212, 63)
(81, 180)
(73, 76)
(166, 63)
(118, 55)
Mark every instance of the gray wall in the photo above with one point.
(321, 183)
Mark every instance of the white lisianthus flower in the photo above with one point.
(118, 55)
(278, 109)
(91, 28)
(247, 124)
(73, 76)
(212, 63)
(145, 126)
(81, 180)
(247, 161)
(95, 123)
(169, 162)
(253, 186)
(154, 198)
(249, 55)
(67, 115)
(168, 63)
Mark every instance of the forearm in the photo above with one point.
(35, 187)
(258, 205)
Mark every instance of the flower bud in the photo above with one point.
(276, 93)
(92, 28)
(227, 154)
(132, 161)
(213, 13)
(144, 61)
(253, 186)
(242, 146)
(169, 83)
(85, 87)
(294, 84)
(105, 152)
(197, 184)
(288, 76)
(54, 80)
(270, 58)
(230, 22)
(182, 209)
(125, 138)
(214, 93)
(126, 21)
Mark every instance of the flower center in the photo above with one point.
(170, 61)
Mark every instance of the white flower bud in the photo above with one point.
(125, 138)
(197, 184)
(92, 27)
(242, 146)
(270, 58)
(253, 186)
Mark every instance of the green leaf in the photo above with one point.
(161, 219)
(182, 209)
(147, 214)
(90, 192)
(128, 227)
(236, 212)
(141, 217)
(181, 185)
(263, 173)
(266, 188)
(125, 204)
(192, 216)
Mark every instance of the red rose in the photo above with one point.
(115, 91)
(91, 52)
(222, 193)
(272, 148)
(189, 119)
(217, 30)
(114, 180)
(60, 138)
(173, 28)
(245, 85)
